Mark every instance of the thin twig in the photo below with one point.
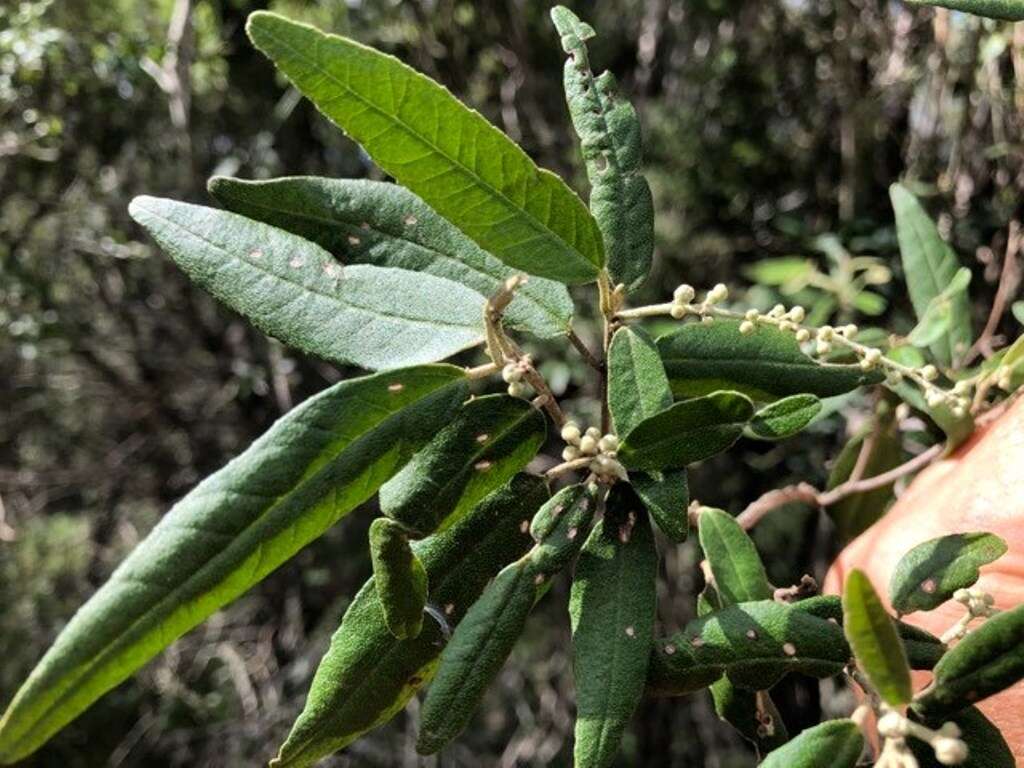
(1009, 281)
(585, 352)
(569, 466)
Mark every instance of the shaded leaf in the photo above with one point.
(930, 265)
(752, 713)
(787, 272)
(400, 578)
(929, 574)
(957, 428)
(874, 640)
(687, 432)
(764, 365)
(609, 132)
(1007, 10)
(292, 289)
(449, 155)
(986, 747)
(315, 465)
(612, 609)
(637, 385)
(666, 496)
(370, 222)
(835, 743)
(785, 417)
(937, 320)
(367, 675)
(737, 569)
(489, 440)
(560, 528)
(987, 661)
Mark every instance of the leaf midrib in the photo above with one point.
(507, 202)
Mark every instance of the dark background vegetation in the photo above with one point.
(774, 128)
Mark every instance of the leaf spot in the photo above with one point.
(538, 579)
(697, 641)
(410, 220)
(670, 649)
(396, 387)
(296, 262)
(482, 466)
(524, 526)
(332, 270)
(353, 240)
(572, 534)
(789, 649)
(630, 632)
(256, 255)
(928, 586)
(449, 609)
(483, 437)
(752, 634)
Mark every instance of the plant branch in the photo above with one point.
(585, 352)
(1009, 282)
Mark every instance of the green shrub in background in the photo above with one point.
(392, 280)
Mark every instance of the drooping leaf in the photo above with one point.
(373, 317)
(855, 513)
(929, 574)
(485, 637)
(314, 466)
(367, 675)
(930, 266)
(986, 747)
(752, 713)
(754, 644)
(400, 578)
(666, 496)
(937, 319)
(735, 565)
(687, 432)
(637, 385)
(370, 222)
(785, 417)
(764, 365)
(609, 132)
(1007, 10)
(874, 640)
(987, 661)
(923, 648)
(449, 155)
(835, 743)
(612, 609)
(487, 442)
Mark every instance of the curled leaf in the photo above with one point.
(400, 577)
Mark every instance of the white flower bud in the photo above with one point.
(962, 387)
(683, 294)
(571, 432)
(678, 311)
(718, 293)
(803, 335)
(588, 445)
(608, 443)
(826, 332)
(570, 453)
(747, 328)
(594, 432)
(823, 347)
(873, 355)
(867, 365)
(777, 311)
(515, 389)
(797, 314)
(511, 373)
(934, 398)
(929, 373)
(949, 751)
(849, 331)
(902, 410)
(751, 315)
(892, 725)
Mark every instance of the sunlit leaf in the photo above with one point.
(836, 744)
(785, 417)
(874, 640)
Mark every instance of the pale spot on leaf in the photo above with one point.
(482, 466)
(670, 649)
(483, 438)
(752, 634)
(396, 387)
(353, 240)
(697, 642)
(789, 649)
(630, 632)
(296, 262)
(928, 586)
(255, 255)
(410, 220)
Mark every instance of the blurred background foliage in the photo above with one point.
(774, 128)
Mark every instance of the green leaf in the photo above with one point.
(612, 609)
(752, 713)
(923, 649)
(874, 640)
(930, 266)
(314, 466)
(666, 496)
(764, 365)
(690, 431)
(835, 743)
(485, 637)
(937, 320)
(754, 644)
(1018, 311)
(489, 440)
(609, 132)
(855, 513)
(986, 747)
(637, 385)
(735, 565)
(367, 675)
(400, 577)
(987, 661)
(869, 303)
(449, 155)
(785, 417)
(1007, 10)
(292, 289)
(370, 222)
(788, 272)
(929, 574)
(957, 428)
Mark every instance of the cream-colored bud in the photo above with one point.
(777, 311)
(797, 314)
(571, 432)
(588, 445)
(826, 332)
(803, 335)
(747, 327)
(930, 373)
(511, 373)
(867, 365)
(873, 355)
(962, 387)
(608, 443)
(683, 294)
(902, 410)
(515, 389)
(593, 432)
(934, 398)
(823, 347)
(892, 725)
(949, 751)
(849, 331)
(719, 293)
(751, 315)
(678, 311)
(570, 453)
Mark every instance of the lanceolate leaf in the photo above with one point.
(367, 675)
(484, 639)
(687, 432)
(988, 660)
(986, 747)
(785, 417)
(637, 385)
(874, 640)
(666, 495)
(489, 440)
(370, 222)
(314, 466)
(929, 574)
(1007, 10)
(737, 569)
(836, 743)
(612, 610)
(373, 317)
(458, 163)
(400, 578)
(930, 266)
(764, 365)
(957, 428)
(609, 132)
(754, 644)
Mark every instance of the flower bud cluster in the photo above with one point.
(979, 604)
(682, 302)
(894, 727)
(514, 374)
(602, 450)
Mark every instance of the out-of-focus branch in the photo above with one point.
(1009, 282)
(173, 73)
